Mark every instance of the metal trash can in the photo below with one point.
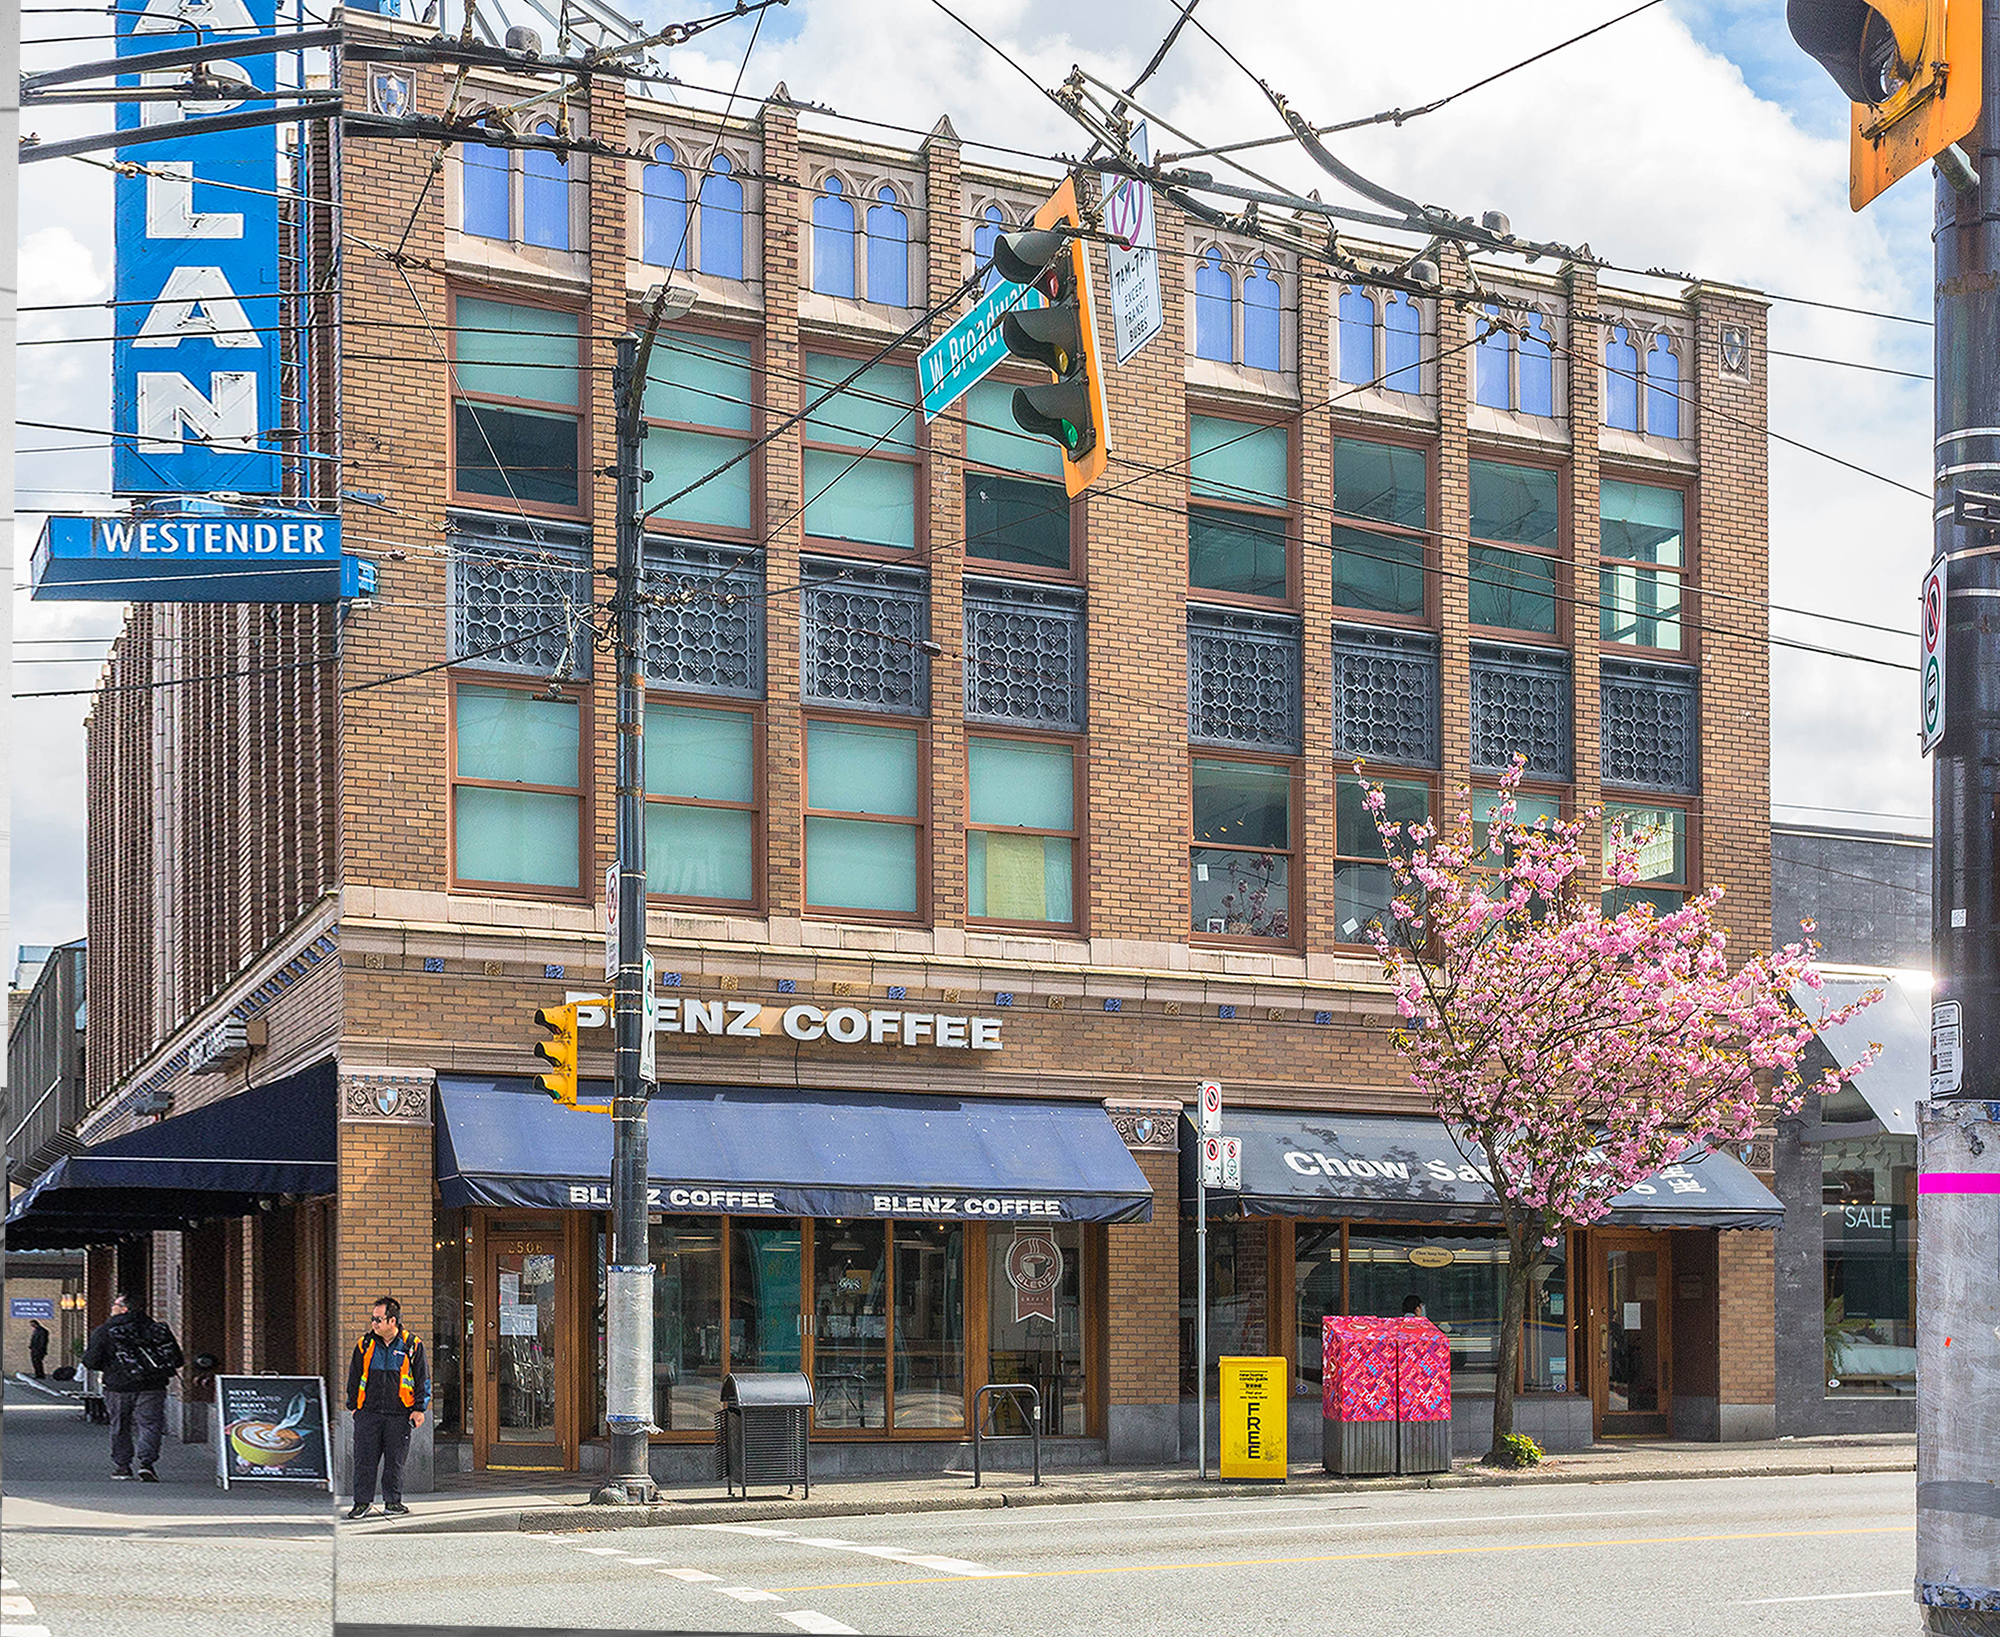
(1423, 1446)
(761, 1430)
(1358, 1397)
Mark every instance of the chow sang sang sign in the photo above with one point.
(194, 359)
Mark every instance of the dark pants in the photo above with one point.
(384, 1438)
(136, 1418)
(35, 1362)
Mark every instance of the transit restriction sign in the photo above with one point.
(1211, 1108)
(1931, 668)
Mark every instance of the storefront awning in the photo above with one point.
(216, 1161)
(757, 1151)
(1899, 1023)
(1409, 1170)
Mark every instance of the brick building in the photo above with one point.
(1063, 792)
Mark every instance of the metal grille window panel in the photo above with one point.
(704, 619)
(1651, 725)
(1385, 695)
(1243, 678)
(861, 627)
(520, 595)
(1520, 706)
(1024, 654)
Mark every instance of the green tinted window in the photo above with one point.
(1517, 504)
(505, 351)
(1382, 481)
(1236, 461)
(1242, 804)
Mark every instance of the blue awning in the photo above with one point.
(758, 1151)
(216, 1161)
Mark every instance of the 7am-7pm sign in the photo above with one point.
(1930, 670)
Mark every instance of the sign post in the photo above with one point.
(1210, 1093)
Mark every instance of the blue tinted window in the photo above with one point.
(1214, 296)
(721, 221)
(1401, 345)
(989, 229)
(1260, 318)
(1357, 338)
(833, 241)
(664, 241)
(544, 195)
(888, 252)
(1537, 366)
(488, 211)
(1492, 364)
(1663, 390)
(1621, 382)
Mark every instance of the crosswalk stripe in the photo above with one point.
(749, 1594)
(692, 1576)
(813, 1620)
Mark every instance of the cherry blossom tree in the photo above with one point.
(1574, 1047)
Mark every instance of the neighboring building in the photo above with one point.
(1846, 1166)
(45, 1097)
(1015, 902)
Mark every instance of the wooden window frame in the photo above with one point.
(1689, 651)
(1562, 555)
(999, 568)
(1287, 515)
(921, 821)
(657, 524)
(1429, 558)
(755, 807)
(578, 693)
(580, 414)
(1690, 883)
(918, 459)
(1079, 854)
(1428, 778)
(1293, 853)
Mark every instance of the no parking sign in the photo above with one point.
(1931, 670)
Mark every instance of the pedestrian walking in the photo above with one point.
(38, 1347)
(138, 1356)
(389, 1391)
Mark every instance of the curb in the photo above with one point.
(581, 1517)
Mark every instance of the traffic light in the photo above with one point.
(1060, 336)
(559, 1051)
(1911, 69)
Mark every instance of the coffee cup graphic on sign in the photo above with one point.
(264, 1445)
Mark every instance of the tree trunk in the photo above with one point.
(1522, 1247)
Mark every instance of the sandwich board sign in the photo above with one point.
(272, 1429)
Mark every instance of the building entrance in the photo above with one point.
(1632, 1389)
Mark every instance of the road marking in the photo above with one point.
(9, 1628)
(900, 1554)
(691, 1576)
(1370, 1557)
(1826, 1597)
(749, 1594)
(605, 1551)
(813, 1620)
(744, 1529)
(13, 1609)
(1398, 1523)
(643, 1562)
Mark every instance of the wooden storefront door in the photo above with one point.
(1631, 1277)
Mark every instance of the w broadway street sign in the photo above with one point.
(1931, 669)
(950, 366)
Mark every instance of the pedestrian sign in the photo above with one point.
(1931, 668)
(967, 352)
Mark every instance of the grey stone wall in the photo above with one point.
(1870, 894)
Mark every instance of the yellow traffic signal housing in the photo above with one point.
(560, 1052)
(1910, 68)
(1061, 336)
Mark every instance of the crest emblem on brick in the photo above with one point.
(387, 1097)
(1735, 350)
(389, 94)
(1035, 1270)
(1144, 1127)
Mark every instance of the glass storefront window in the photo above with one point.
(929, 1386)
(850, 1324)
(451, 1312)
(1034, 1285)
(1545, 1340)
(688, 1359)
(1236, 1296)
(764, 1328)
(1457, 1273)
(1316, 1293)
(1868, 1219)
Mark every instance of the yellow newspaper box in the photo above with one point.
(1254, 1407)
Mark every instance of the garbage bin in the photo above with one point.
(1423, 1396)
(1357, 1396)
(760, 1431)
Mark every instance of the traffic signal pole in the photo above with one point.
(628, 1376)
(1958, 1142)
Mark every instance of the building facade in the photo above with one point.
(981, 826)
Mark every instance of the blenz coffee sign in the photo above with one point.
(840, 1026)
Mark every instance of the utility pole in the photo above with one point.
(628, 1373)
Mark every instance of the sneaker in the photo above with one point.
(396, 1509)
(148, 1476)
(359, 1511)
(121, 1474)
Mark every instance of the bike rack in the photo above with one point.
(979, 1433)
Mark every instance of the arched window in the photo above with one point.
(888, 251)
(1402, 345)
(1663, 390)
(1621, 381)
(545, 195)
(993, 223)
(1214, 320)
(1357, 338)
(1261, 349)
(833, 240)
(486, 193)
(1493, 363)
(721, 220)
(664, 232)
(1537, 368)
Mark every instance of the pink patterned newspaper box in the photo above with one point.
(1423, 1371)
(1358, 1370)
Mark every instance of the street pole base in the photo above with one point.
(626, 1492)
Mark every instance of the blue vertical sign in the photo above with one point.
(194, 362)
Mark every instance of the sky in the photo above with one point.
(1693, 135)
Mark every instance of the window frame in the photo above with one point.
(1291, 513)
(1294, 769)
(1427, 777)
(1563, 554)
(658, 523)
(475, 500)
(1430, 555)
(919, 458)
(756, 807)
(1689, 885)
(1689, 652)
(578, 693)
(998, 568)
(666, 154)
(921, 821)
(1078, 747)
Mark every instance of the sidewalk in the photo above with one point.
(501, 1501)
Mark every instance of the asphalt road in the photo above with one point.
(1832, 1556)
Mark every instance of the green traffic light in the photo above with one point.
(1070, 434)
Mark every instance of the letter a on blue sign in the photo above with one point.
(194, 362)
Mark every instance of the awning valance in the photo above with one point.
(746, 1150)
(1409, 1169)
(216, 1161)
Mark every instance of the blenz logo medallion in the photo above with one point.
(1035, 1270)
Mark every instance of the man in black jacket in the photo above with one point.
(389, 1391)
(138, 1356)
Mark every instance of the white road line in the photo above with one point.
(749, 1594)
(813, 1620)
(643, 1562)
(15, 1606)
(606, 1551)
(11, 1628)
(691, 1576)
(1403, 1523)
(1826, 1597)
(9, 1584)
(899, 1554)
